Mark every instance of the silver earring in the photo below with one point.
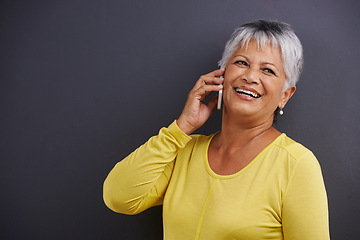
(281, 111)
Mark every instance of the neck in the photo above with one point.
(239, 132)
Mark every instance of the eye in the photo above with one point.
(268, 70)
(240, 62)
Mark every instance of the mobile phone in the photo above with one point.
(219, 98)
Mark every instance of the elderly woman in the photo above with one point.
(248, 181)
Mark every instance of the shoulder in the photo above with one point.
(195, 149)
(199, 139)
(294, 149)
(197, 142)
(296, 153)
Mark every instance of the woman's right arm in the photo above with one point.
(141, 179)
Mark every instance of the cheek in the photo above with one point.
(232, 74)
(273, 86)
(226, 90)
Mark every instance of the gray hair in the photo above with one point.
(277, 34)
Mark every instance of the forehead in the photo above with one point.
(263, 53)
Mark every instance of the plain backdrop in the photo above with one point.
(85, 82)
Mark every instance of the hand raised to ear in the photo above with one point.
(195, 112)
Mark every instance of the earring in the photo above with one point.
(281, 112)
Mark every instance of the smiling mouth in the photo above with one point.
(247, 92)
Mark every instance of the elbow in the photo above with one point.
(115, 202)
(110, 202)
(119, 207)
(111, 199)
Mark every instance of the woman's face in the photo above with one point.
(254, 80)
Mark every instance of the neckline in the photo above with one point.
(230, 176)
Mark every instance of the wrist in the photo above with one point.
(184, 126)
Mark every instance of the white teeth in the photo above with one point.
(239, 90)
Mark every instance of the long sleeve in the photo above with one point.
(305, 208)
(141, 179)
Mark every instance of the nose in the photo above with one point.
(251, 76)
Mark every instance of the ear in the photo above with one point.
(285, 96)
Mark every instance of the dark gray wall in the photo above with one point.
(84, 82)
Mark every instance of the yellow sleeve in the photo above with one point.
(305, 208)
(141, 179)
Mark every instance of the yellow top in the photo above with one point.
(279, 195)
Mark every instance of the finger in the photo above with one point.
(208, 80)
(208, 89)
(213, 80)
(212, 104)
(204, 91)
(217, 72)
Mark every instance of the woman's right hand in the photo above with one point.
(195, 112)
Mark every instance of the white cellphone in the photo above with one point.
(219, 98)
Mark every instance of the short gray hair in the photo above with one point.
(277, 34)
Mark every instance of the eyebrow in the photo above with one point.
(267, 63)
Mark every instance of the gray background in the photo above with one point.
(84, 82)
